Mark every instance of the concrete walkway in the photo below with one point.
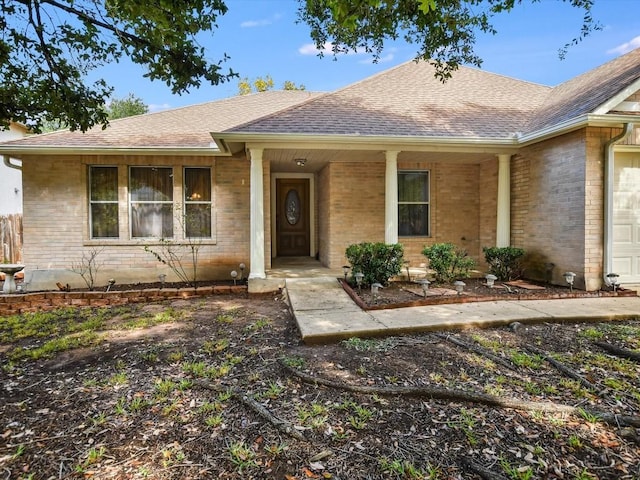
(325, 313)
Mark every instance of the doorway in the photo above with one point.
(292, 217)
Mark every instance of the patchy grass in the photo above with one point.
(173, 403)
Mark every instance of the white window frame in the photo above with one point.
(197, 202)
(427, 173)
(95, 202)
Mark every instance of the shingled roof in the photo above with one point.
(405, 101)
(585, 93)
(180, 127)
(409, 101)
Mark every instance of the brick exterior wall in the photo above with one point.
(56, 230)
(548, 187)
(353, 193)
(351, 207)
(556, 211)
(557, 216)
(266, 185)
(488, 203)
(323, 200)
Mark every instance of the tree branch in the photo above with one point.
(462, 396)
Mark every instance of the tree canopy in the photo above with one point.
(126, 107)
(262, 84)
(444, 31)
(48, 46)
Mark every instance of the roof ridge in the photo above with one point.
(389, 71)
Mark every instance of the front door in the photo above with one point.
(292, 217)
(626, 217)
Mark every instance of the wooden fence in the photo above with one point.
(11, 238)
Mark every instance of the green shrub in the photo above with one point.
(377, 261)
(504, 262)
(448, 262)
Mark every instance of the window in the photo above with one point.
(156, 203)
(413, 204)
(103, 202)
(197, 202)
(151, 202)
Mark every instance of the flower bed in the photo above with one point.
(398, 294)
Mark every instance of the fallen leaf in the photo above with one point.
(319, 456)
(309, 473)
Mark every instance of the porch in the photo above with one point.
(283, 268)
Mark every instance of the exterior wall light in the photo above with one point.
(569, 277)
(491, 279)
(459, 284)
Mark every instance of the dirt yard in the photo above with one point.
(221, 387)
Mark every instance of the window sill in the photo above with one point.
(116, 242)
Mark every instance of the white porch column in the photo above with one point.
(503, 226)
(256, 239)
(391, 198)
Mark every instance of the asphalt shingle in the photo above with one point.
(585, 93)
(180, 127)
(409, 101)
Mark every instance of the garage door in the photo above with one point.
(626, 217)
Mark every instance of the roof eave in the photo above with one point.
(576, 123)
(21, 150)
(365, 142)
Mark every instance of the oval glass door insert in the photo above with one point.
(292, 207)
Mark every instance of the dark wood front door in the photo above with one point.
(292, 217)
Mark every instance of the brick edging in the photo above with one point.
(449, 299)
(41, 301)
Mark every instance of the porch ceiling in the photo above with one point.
(285, 160)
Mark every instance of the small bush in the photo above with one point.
(377, 261)
(504, 262)
(448, 262)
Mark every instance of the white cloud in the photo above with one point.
(389, 57)
(625, 47)
(155, 107)
(260, 23)
(310, 49)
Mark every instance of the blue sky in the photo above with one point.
(262, 37)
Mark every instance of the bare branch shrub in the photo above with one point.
(87, 267)
(181, 256)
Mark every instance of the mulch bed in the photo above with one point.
(400, 294)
